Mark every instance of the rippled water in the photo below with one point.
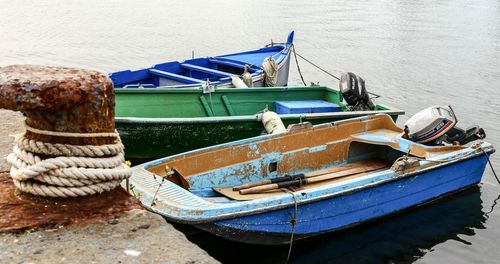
(414, 53)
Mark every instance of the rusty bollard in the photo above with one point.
(70, 147)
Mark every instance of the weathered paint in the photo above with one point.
(291, 143)
(322, 208)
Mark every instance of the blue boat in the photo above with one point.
(216, 71)
(342, 174)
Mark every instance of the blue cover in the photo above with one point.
(304, 107)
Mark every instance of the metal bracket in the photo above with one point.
(207, 87)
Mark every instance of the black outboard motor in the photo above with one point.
(461, 136)
(354, 92)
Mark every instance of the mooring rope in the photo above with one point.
(297, 63)
(491, 166)
(68, 134)
(293, 222)
(153, 201)
(318, 67)
(71, 170)
(487, 214)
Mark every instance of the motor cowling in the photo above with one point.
(430, 123)
(436, 125)
(354, 92)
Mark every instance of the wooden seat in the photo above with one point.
(176, 77)
(229, 63)
(205, 70)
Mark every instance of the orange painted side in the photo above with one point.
(295, 147)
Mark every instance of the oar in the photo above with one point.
(302, 181)
(300, 176)
(264, 182)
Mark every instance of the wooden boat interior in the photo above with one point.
(199, 70)
(366, 145)
(190, 103)
(222, 102)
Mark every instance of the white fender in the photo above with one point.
(272, 122)
(237, 82)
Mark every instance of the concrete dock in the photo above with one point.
(118, 232)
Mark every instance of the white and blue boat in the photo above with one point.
(217, 71)
(342, 174)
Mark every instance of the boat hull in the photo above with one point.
(351, 209)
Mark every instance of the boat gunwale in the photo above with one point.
(279, 47)
(249, 118)
(167, 89)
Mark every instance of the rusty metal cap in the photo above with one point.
(60, 99)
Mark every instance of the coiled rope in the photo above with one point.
(270, 71)
(71, 170)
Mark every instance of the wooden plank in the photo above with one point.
(348, 166)
(351, 114)
(235, 195)
(205, 70)
(353, 171)
(226, 62)
(313, 173)
(174, 76)
(322, 177)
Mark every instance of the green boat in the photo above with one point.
(160, 122)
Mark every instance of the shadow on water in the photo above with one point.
(401, 238)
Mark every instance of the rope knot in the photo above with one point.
(70, 170)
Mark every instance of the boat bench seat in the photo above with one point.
(205, 70)
(225, 62)
(173, 76)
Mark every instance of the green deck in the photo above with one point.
(158, 122)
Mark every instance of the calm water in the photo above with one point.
(414, 53)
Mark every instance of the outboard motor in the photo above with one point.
(462, 136)
(436, 126)
(354, 92)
